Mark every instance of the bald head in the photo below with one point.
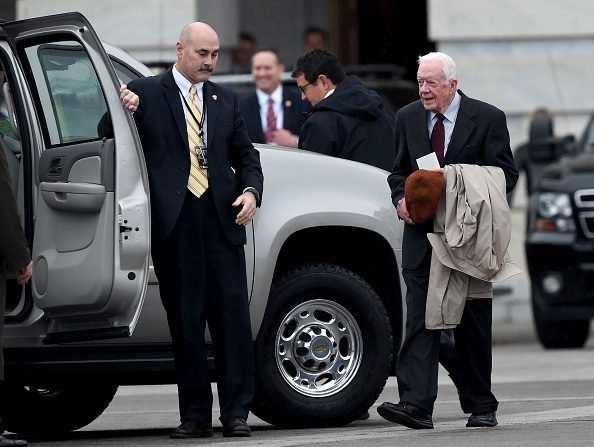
(197, 51)
(197, 28)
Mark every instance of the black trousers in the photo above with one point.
(202, 278)
(418, 361)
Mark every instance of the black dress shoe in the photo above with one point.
(482, 420)
(192, 429)
(236, 427)
(4, 441)
(405, 414)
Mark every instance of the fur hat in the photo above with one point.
(422, 191)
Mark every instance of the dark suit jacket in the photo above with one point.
(480, 137)
(294, 109)
(162, 127)
(14, 250)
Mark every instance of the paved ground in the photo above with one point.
(546, 399)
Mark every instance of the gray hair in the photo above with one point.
(450, 70)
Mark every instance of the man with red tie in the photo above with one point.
(458, 129)
(274, 113)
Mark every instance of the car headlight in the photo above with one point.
(553, 204)
(554, 212)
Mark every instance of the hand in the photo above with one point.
(442, 170)
(283, 137)
(130, 100)
(247, 201)
(25, 273)
(403, 212)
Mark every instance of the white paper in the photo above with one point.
(428, 161)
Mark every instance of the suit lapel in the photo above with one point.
(171, 93)
(288, 115)
(462, 130)
(212, 111)
(420, 144)
(255, 121)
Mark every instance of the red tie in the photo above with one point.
(270, 122)
(438, 139)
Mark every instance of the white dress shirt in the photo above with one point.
(184, 85)
(449, 122)
(277, 106)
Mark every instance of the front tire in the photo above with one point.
(324, 349)
(53, 409)
(561, 334)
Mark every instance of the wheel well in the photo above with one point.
(362, 251)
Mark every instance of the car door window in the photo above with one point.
(69, 92)
(125, 74)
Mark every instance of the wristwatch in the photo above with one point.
(253, 191)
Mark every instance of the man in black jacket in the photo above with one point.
(348, 120)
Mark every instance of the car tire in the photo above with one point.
(54, 409)
(554, 334)
(324, 350)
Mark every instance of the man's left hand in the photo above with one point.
(283, 137)
(247, 201)
(25, 273)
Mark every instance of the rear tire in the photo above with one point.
(53, 409)
(324, 349)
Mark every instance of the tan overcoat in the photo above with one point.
(472, 231)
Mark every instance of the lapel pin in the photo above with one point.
(215, 97)
(288, 103)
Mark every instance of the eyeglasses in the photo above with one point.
(302, 87)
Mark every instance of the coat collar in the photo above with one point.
(172, 96)
(212, 103)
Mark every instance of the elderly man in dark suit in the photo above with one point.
(274, 113)
(459, 130)
(14, 256)
(205, 182)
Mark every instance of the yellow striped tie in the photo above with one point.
(198, 179)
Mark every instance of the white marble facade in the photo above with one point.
(520, 55)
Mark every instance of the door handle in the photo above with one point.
(73, 197)
(56, 167)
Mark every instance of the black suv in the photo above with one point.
(560, 235)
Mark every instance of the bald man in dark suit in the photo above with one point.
(205, 182)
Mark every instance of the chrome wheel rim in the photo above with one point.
(318, 348)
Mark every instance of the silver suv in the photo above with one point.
(326, 297)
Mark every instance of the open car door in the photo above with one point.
(91, 232)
